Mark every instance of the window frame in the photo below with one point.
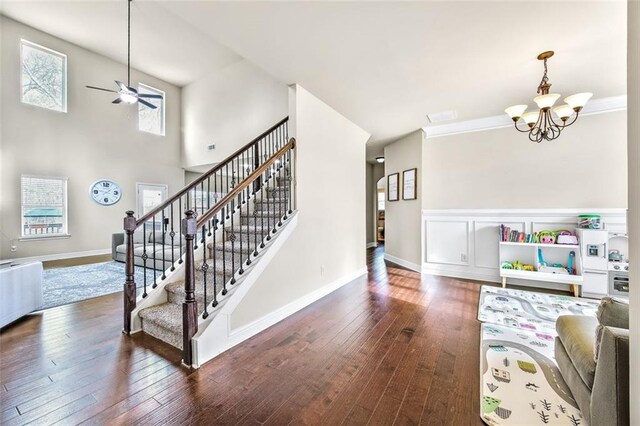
(44, 49)
(154, 91)
(65, 208)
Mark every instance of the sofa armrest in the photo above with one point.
(610, 395)
(116, 240)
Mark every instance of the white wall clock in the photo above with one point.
(105, 192)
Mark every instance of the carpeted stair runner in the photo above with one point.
(164, 321)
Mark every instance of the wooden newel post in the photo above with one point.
(189, 307)
(130, 283)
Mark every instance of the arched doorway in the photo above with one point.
(381, 196)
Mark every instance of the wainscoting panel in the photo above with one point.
(448, 242)
(464, 243)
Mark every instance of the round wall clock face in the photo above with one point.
(105, 192)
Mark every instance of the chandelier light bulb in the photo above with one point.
(546, 101)
(380, 159)
(578, 101)
(516, 111)
(563, 111)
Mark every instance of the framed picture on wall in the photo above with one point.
(392, 187)
(409, 190)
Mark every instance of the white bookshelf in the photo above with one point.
(527, 253)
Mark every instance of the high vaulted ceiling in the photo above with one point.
(384, 65)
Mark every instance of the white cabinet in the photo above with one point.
(594, 283)
(527, 253)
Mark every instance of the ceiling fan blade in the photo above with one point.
(116, 101)
(149, 95)
(145, 103)
(121, 85)
(100, 88)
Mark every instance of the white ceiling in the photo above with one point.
(384, 65)
(162, 44)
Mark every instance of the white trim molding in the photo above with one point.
(595, 106)
(402, 262)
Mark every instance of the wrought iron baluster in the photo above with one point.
(164, 260)
(248, 209)
(233, 245)
(290, 179)
(144, 258)
(213, 257)
(180, 230)
(155, 268)
(172, 235)
(204, 268)
(241, 270)
(209, 202)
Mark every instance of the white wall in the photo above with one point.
(633, 84)
(402, 217)
(94, 139)
(584, 168)
(328, 245)
(229, 108)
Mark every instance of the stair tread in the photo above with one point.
(167, 315)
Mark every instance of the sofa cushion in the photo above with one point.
(577, 334)
(150, 250)
(613, 312)
(122, 248)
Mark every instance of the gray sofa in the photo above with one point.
(593, 357)
(142, 244)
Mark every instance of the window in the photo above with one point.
(44, 207)
(151, 120)
(150, 196)
(380, 200)
(43, 77)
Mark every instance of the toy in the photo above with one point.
(556, 268)
(572, 256)
(565, 237)
(615, 256)
(528, 268)
(506, 265)
(547, 237)
(517, 265)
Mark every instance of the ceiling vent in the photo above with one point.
(437, 117)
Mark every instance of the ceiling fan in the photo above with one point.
(126, 93)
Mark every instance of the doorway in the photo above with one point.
(381, 188)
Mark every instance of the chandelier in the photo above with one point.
(541, 124)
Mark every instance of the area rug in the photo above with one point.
(520, 381)
(529, 310)
(61, 286)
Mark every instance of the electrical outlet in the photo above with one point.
(14, 246)
(463, 257)
(322, 270)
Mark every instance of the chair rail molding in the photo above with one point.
(595, 106)
(464, 243)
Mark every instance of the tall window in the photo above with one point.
(44, 206)
(151, 120)
(43, 76)
(380, 200)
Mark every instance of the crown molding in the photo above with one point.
(596, 106)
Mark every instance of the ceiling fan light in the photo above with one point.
(531, 117)
(128, 98)
(563, 111)
(578, 101)
(546, 101)
(516, 111)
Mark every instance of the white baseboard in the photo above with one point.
(372, 244)
(402, 262)
(241, 334)
(475, 275)
(60, 256)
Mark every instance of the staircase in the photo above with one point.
(232, 216)
(164, 321)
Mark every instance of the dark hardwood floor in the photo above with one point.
(397, 349)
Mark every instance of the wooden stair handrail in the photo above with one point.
(244, 184)
(207, 174)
